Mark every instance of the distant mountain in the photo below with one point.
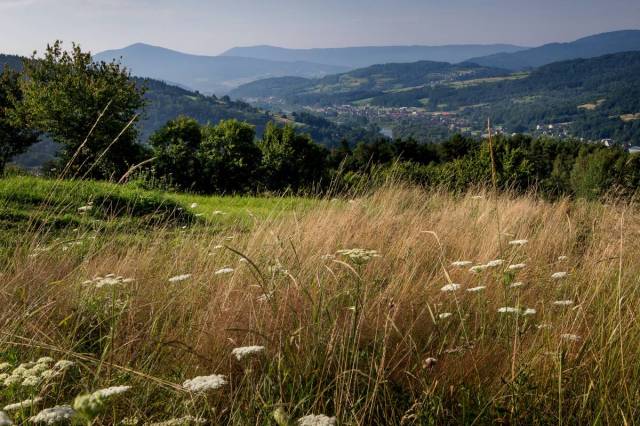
(359, 57)
(588, 47)
(12, 61)
(207, 74)
(364, 83)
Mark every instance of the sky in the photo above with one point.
(210, 27)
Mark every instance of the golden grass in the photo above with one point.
(351, 339)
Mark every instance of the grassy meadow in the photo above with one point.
(397, 307)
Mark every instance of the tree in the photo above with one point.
(175, 147)
(228, 156)
(290, 160)
(15, 137)
(65, 94)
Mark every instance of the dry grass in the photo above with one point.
(343, 338)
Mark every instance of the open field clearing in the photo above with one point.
(398, 307)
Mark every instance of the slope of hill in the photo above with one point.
(165, 102)
(359, 57)
(365, 82)
(587, 47)
(12, 61)
(207, 74)
(593, 98)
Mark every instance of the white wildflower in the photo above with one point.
(12, 380)
(4, 366)
(194, 205)
(544, 325)
(508, 310)
(461, 263)
(359, 255)
(32, 381)
(179, 278)
(110, 391)
(316, 420)
(450, 287)
(54, 415)
(562, 258)
(85, 209)
(563, 302)
(224, 271)
(444, 315)
(204, 383)
(495, 263)
(5, 420)
(571, 337)
(516, 284)
(63, 364)
(529, 311)
(246, 351)
(559, 275)
(45, 360)
(476, 289)
(21, 405)
(478, 268)
(517, 266)
(518, 242)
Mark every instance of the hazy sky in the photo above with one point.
(212, 26)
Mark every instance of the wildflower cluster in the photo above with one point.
(359, 255)
(109, 280)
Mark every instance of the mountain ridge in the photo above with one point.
(363, 56)
(207, 74)
(586, 47)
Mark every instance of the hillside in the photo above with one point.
(365, 83)
(166, 102)
(587, 47)
(359, 57)
(594, 98)
(207, 74)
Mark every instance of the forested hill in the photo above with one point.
(165, 102)
(12, 61)
(365, 82)
(587, 47)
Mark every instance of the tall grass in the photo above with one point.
(363, 340)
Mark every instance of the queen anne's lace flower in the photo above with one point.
(246, 351)
(63, 364)
(358, 255)
(23, 404)
(518, 242)
(316, 420)
(54, 415)
(224, 271)
(563, 302)
(508, 310)
(478, 268)
(476, 289)
(495, 263)
(205, 383)
(517, 266)
(444, 315)
(179, 278)
(450, 287)
(559, 275)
